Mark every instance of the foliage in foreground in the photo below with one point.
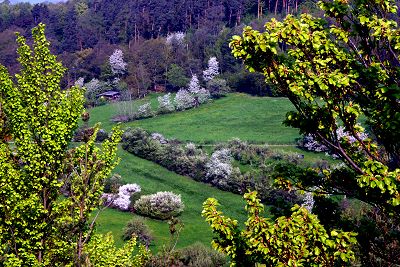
(338, 72)
(37, 226)
(294, 241)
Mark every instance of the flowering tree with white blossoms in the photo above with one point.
(200, 94)
(93, 88)
(212, 70)
(117, 63)
(194, 85)
(164, 103)
(184, 100)
(176, 38)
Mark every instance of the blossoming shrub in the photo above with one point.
(161, 205)
(159, 137)
(164, 104)
(184, 100)
(122, 200)
(145, 111)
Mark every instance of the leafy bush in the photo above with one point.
(198, 255)
(167, 153)
(112, 184)
(101, 135)
(161, 205)
(217, 87)
(138, 228)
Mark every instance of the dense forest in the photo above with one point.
(84, 33)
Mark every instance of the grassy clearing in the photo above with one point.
(105, 113)
(255, 119)
(153, 178)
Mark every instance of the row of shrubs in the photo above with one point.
(221, 168)
(184, 99)
(184, 159)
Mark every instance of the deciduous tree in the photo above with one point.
(336, 72)
(38, 227)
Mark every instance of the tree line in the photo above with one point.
(84, 33)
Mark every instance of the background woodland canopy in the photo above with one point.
(84, 33)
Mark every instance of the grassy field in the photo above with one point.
(153, 178)
(255, 119)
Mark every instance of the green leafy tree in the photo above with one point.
(176, 76)
(299, 240)
(341, 71)
(38, 227)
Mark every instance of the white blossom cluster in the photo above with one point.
(342, 134)
(159, 137)
(161, 205)
(145, 110)
(220, 164)
(93, 85)
(308, 202)
(176, 38)
(184, 100)
(117, 63)
(121, 200)
(202, 95)
(212, 70)
(194, 85)
(311, 144)
(79, 82)
(164, 103)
